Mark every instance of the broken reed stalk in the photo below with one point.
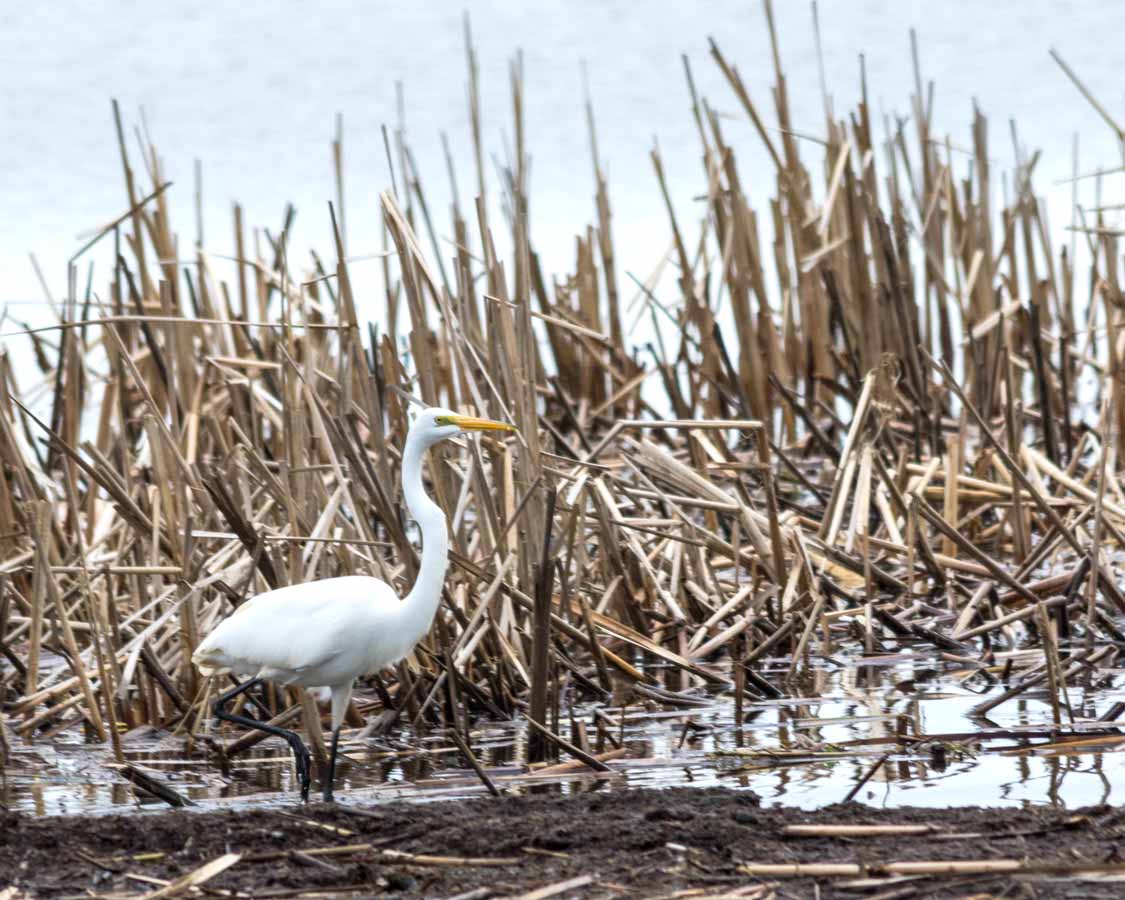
(827, 421)
(916, 868)
(541, 639)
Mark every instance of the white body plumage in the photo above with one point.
(319, 634)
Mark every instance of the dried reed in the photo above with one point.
(868, 428)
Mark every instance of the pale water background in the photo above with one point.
(252, 90)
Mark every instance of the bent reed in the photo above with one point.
(868, 431)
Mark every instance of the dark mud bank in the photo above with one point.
(641, 843)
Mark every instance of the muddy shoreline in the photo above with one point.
(643, 843)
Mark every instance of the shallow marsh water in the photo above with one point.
(806, 750)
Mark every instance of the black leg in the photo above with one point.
(331, 767)
(300, 752)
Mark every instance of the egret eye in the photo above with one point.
(442, 421)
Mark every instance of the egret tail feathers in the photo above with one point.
(209, 660)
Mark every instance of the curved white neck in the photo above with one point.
(421, 603)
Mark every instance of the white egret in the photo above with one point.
(326, 633)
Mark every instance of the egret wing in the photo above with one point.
(285, 633)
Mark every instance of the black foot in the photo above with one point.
(303, 770)
(300, 751)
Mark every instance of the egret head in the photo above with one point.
(436, 424)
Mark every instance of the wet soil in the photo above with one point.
(641, 843)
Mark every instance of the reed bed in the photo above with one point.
(869, 432)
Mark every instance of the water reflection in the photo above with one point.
(911, 714)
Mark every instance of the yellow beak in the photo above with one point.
(468, 423)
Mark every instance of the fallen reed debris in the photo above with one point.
(876, 411)
(651, 843)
